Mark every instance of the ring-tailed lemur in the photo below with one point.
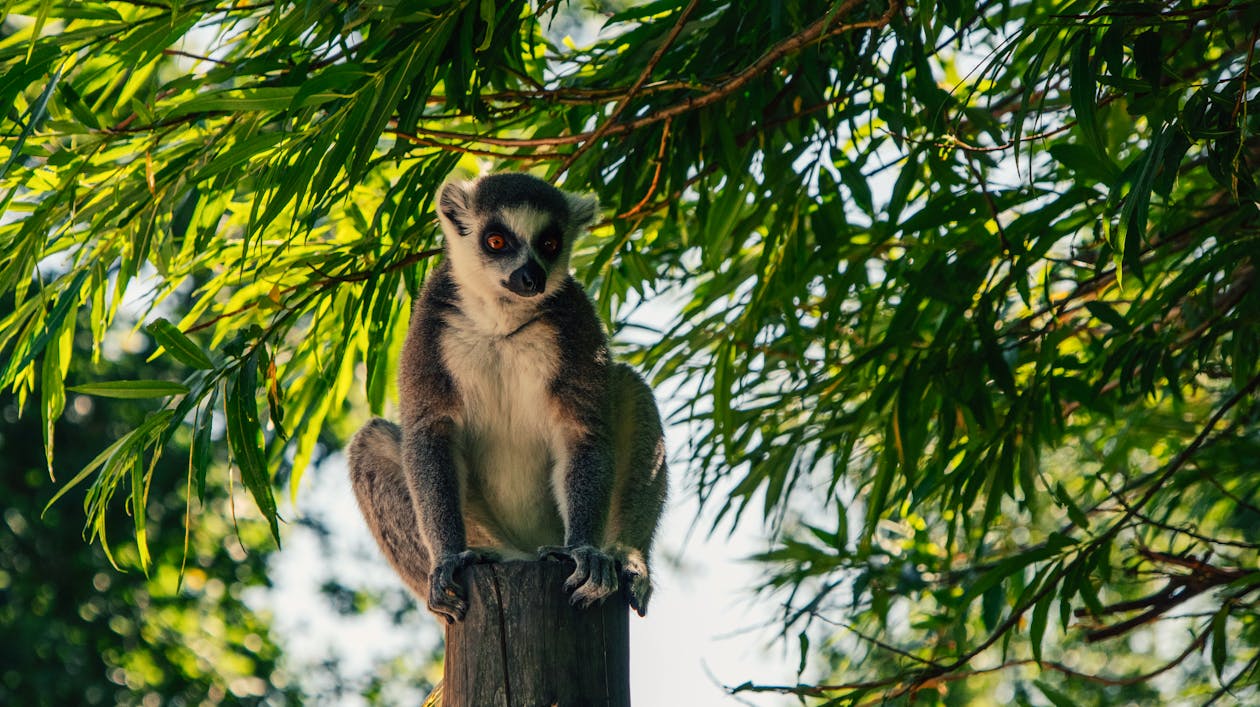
(519, 436)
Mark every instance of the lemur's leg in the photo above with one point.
(375, 458)
(639, 485)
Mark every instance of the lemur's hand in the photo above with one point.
(594, 577)
(448, 597)
(634, 577)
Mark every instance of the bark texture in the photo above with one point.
(523, 645)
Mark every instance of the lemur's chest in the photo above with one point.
(503, 382)
(506, 441)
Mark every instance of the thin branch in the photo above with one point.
(190, 55)
(992, 204)
(1184, 530)
(594, 96)
(953, 141)
(522, 157)
(741, 140)
(903, 685)
(1157, 481)
(1228, 687)
(625, 100)
(815, 32)
(656, 176)
(876, 642)
(328, 281)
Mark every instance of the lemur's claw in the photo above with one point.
(448, 597)
(594, 575)
(553, 553)
(638, 588)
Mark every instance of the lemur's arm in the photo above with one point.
(428, 403)
(584, 481)
(587, 490)
(434, 484)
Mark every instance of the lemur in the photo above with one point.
(520, 437)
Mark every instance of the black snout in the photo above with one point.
(527, 280)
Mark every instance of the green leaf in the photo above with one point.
(1083, 92)
(906, 180)
(72, 10)
(243, 429)
(1037, 628)
(1057, 698)
(1005, 568)
(240, 152)
(1148, 57)
(132, 389)
(1136, 210)
(91, 467)
(1028, 469)
(991, 604)
(178, 344)
(335, 82)
(1086, 162)
(139, 494)
(74, 102)
(1075, 514)
(1220, 641)
(120, 448)
(1108, 315)
(52, 385)
(68, 300)
(858, 187)
(1166, 174)
(242, 100)
(998, 367)
(878, 498)
(487, 16)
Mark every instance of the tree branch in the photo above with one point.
(625, 100)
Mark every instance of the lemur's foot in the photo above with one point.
(448, 597)
(637, 582)
(594, 578)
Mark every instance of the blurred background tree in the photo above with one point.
(82, 628)
(959, 298)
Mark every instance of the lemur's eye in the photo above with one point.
(496, 241)
(550, 245)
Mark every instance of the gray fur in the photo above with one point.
(519, 436)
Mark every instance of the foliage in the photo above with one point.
(79, 632)
(968, 314)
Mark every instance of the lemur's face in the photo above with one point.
(509, 235)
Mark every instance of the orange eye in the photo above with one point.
(496, 241)
(550, 245)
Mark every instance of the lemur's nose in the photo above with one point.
(527, 280)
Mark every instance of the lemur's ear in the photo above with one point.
(583, 208)
(454, 204)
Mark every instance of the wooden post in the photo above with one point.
(523, 645)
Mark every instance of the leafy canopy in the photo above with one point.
(78, 633)
(968, 307)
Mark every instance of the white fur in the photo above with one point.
(525, 221)
(507, 441)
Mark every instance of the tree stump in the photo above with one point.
(523, 645)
